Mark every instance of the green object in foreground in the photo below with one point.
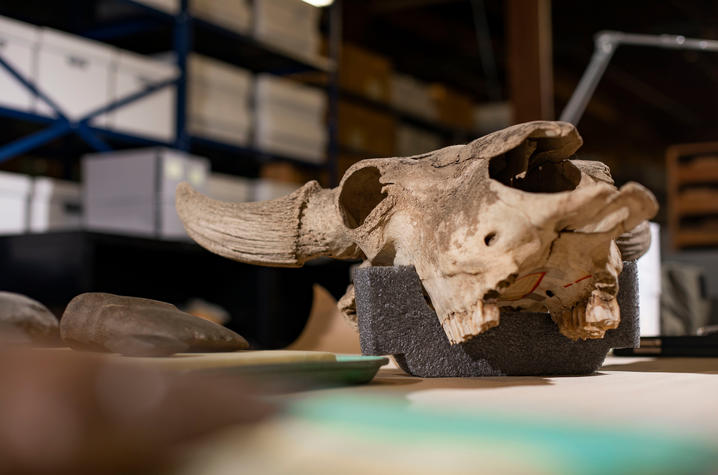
(346, 370)
(496, 443)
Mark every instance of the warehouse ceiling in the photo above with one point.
(647, 100)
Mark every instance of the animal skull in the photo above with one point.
(506, 221)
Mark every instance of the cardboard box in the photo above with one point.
(291, 25)
(154, 115)
(133, 191)
(75, 73)
(219, 101)
(235, 15)
(55, 205)
(289, 119)
(454, 109)
(363, 129)
(14, 194)
(18, 47)
(412, 96)
(365, 73)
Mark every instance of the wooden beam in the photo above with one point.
(530, 68)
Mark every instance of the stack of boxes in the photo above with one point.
(38, 205)
(81, 76)
(55, 205)
(133, 192)
(235, 15)
(152, 116)
(290, 119)
(291, 25)
(219, 101)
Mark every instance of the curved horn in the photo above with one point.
(635, 243)
(285, 232)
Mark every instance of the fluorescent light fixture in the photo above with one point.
(319, 3)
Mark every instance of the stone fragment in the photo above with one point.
(24, 320)
(141, 327)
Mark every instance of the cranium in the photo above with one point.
(507, 220)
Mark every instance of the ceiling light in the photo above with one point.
(319, 3)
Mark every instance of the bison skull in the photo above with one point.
(504, 221)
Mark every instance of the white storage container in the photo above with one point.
(75, 73)
(263, 190)
(219, 101)
(133, 191)
(292, 25)
(55, 205)
(231, 14)
(289, 119)
(14, 195)
(18, 47)
(152, 116)
(229, 188)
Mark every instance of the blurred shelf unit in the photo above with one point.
(97, 91)
(126, 192)
(37, 205)
(693, 195)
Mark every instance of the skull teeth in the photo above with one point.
(462, 326)
(590, 319)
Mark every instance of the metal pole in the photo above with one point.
(605, 47)
(606, 43)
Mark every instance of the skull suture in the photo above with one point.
(504, 221)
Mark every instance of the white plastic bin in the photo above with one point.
(14, 195)
(152, 116)
(55, 205)
(133, 191)
(18, 47)
(75, 73)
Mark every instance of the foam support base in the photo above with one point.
(394, 319)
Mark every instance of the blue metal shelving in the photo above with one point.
(184, 26)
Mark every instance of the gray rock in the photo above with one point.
(137, 326)
(24, 320)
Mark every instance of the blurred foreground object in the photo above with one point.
(136, 326)
(26, 319)
(63, 412)
(386, 435)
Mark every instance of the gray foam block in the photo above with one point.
(394, 319)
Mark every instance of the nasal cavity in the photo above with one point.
(518, 169)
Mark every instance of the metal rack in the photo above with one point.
(183, 25)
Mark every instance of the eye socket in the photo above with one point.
(361, 193)
(490, 238)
